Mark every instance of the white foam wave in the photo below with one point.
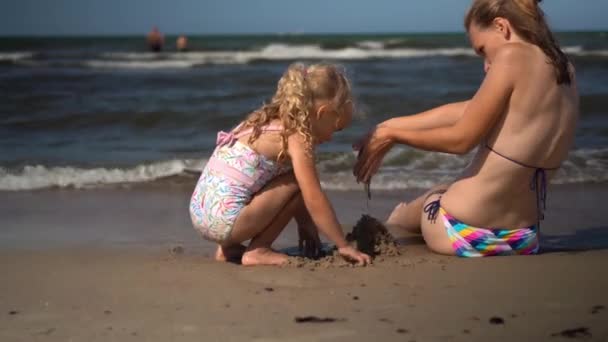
(163, 64)
(40, 177)
(371, 44)
(15, 56)
(590, 53)
(403, 169)
(578, 50)
(273, 52)
(279, 51)
(195, 57)
(407, 169)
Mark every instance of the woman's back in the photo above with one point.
(535, 132)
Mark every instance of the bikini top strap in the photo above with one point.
(518, 162)
(538, 183)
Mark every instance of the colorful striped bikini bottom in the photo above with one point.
(469, 241)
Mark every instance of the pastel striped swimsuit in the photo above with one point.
(232, 176)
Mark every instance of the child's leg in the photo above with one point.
(259, 251)
(230, 252)
(406, 216)
(264, 218)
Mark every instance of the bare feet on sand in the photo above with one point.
(263, 256)
(229, 253)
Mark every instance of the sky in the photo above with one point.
(129, 17)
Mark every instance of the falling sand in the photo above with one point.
(369, 236)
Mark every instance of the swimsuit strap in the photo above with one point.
(432, 209)
(229, 138)
(518, 162)
(538, 183)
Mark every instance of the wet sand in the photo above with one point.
(369, 235)
(123, 264)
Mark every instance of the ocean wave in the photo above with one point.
(371, 44)
(272, 52)
(362, 50)
(579, 51)
(156, 64)
(284, 52)
(402, 169)
(14, 56)
(41, 177)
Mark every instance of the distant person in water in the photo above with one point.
(521, 123)
(155, 40)
(182, 43)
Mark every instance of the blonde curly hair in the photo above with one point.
(298, 90)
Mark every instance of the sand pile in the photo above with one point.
(369, 236)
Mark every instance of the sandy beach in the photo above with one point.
(96, 265)
(102, 139)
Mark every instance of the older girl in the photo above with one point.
(522, 121)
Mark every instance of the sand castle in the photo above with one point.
(368, 235)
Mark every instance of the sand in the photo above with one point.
(368, 235)
(122, 295)
(123, 264)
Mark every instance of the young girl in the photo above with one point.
(262, 173)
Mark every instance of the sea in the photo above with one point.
(89, 112)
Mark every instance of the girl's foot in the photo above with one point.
(263, 256)
(229, 253)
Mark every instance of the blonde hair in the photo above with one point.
(528, 20)
(294, 101)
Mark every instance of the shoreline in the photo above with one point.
(155, 216)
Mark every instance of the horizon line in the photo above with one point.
(69, 35)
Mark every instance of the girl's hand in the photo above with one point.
(351, 254)
(309, 242)
(371, 154)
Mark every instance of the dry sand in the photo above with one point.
(120, 295)
(125, 265)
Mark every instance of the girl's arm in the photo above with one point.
(317, 203)
(445, 115)
(442, 116)
(480, 115)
